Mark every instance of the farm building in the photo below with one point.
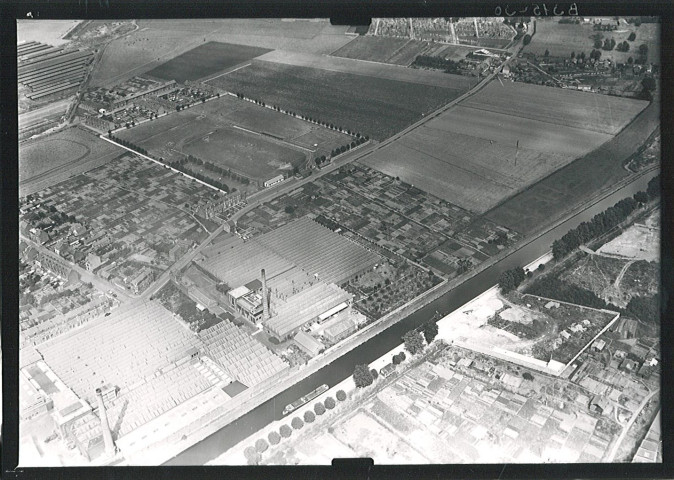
(305, 307)
(308, 343)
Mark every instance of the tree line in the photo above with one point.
(604, 221)
(438, 63)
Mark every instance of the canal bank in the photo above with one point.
(446, 299)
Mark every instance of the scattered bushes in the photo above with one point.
(341, 395)
(329, 403)
(285, 431)
(309, 416)
(319, 409)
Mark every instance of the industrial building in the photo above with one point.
(308, 344)
(310, 305)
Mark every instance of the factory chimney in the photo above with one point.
(105, 427)
(265, 299)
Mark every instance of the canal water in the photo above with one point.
(219, 442)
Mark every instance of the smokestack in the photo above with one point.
(265, 300)
(105, 427)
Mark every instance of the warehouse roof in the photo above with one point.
(305, 307)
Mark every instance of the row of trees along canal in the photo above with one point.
(253, 453)
(646, 309)
(414, 340)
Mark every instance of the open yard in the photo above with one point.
(372, 105)
(204, 60)
(577, 181)
(562, 39)
(502, 140)
(56, 157)
(157, 41)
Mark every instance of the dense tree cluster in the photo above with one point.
(399, 358)
(511, 279)
(526, 40)
(362, 376)
(553, 287)
(632, 37)
(646, 309)
(430, 330)
(438, 63)
(623, 47)
(600, 223)
(414, 342)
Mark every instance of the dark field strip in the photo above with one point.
(377, 107)
(205, 60)
(577, 182)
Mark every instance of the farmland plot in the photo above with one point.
(157, 41)
(577, 181)
(205, 60)
(502, 140)
(378, 107)
(398, 51)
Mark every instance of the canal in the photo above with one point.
(230, 435)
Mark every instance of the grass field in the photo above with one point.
(205, 60)
(562, 39)
(40, 161)
(157, 41)
(377, 107)
(502, 140)
(224, 123)
(243, 152)
(577, 181)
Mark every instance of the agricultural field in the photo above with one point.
(369, 69)
(44, 31)
(54, 158)
(157, 41)
(398, 51)
(562, 39)
(378, 107)
(576, 182)
(483, 150)
(205, 60)
(251, 140)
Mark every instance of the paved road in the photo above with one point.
(627, 427)
(51, 110)
(182, 262)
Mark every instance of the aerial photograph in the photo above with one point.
(284, 241)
